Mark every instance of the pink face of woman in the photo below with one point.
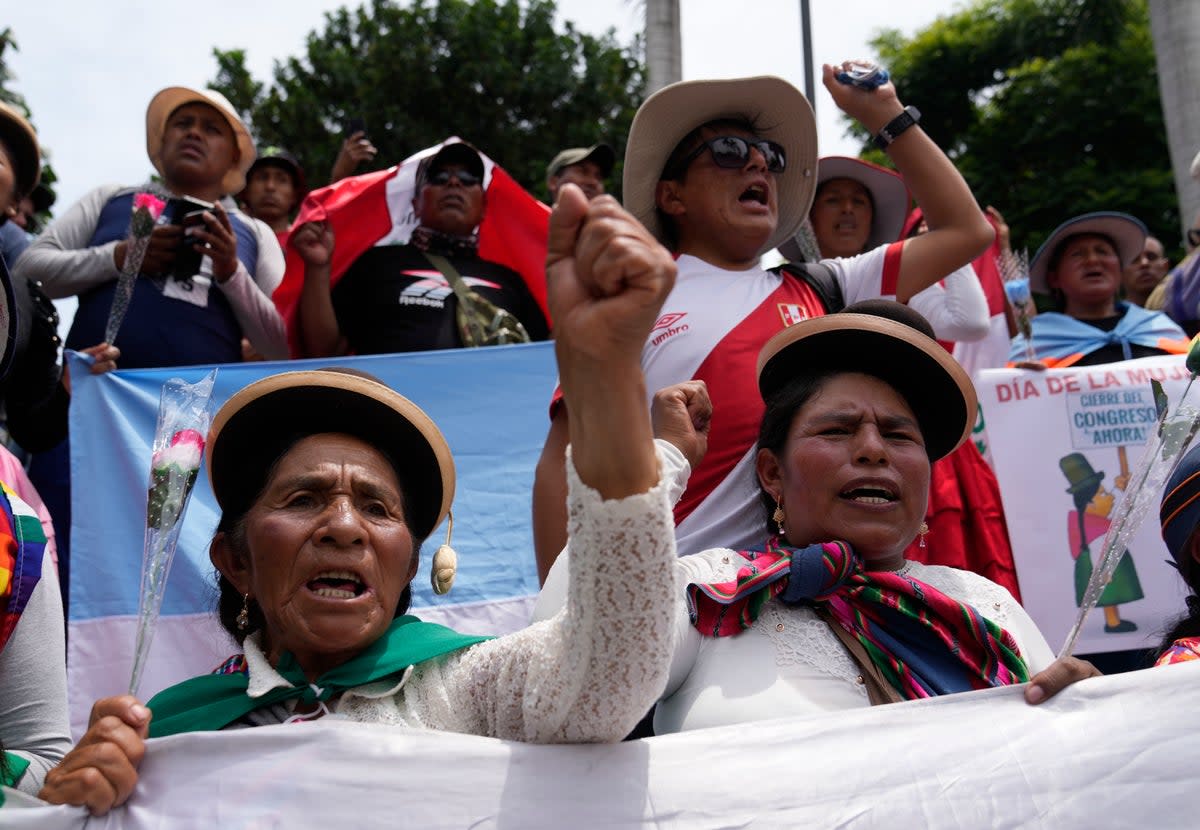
(841, 217)
(854, 468)
(1088, 270)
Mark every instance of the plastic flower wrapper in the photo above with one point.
(147, 208)
(1165, 448)
(183, 419)
(1014, 270)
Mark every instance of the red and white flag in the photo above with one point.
(377, 209)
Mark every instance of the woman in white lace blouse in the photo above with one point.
(858, 405)
(329, 481)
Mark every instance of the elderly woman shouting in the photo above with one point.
(826, 613)
(321, 528)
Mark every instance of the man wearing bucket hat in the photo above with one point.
(20, 169)
(723, 171)
(1080, 265)
(202, 150)
(586, 167)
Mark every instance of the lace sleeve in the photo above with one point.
(589, 673)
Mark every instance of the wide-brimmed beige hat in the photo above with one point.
(781, 111)
(22, 143)
(889, 197)
(887, 340)
(1127, 233)
(172, 98)
(258, 424)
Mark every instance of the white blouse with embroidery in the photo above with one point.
(587, 674)
(789, 662)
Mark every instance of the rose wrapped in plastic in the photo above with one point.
(183, 419)
(147, 208)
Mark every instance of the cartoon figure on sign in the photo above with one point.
(1088, 523)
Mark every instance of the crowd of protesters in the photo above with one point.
(247, 263)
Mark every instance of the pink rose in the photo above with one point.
(151, 203)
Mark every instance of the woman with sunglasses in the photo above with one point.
(722, 171)
(1178, 295)
(405, 298)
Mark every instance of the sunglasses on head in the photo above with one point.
(731, 151)
(442, 178)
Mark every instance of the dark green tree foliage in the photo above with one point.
(495, 72)
(1050, 108)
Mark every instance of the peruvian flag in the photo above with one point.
(377, 209)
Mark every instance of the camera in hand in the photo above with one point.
(188, 213)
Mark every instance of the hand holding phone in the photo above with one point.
(188, 213)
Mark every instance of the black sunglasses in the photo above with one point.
(1193, 237)
(731, 152)
(442, 178)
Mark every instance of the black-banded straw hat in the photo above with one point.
(260, 422)
(889, 341)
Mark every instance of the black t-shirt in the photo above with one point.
(1113, 352)
(393, 299)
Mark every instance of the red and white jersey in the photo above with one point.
(713, 324)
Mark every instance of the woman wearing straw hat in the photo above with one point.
(824, 612)
(1080, 265)
(321, 528)
(722, 171)
(859, 207)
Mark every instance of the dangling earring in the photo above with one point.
(445, 562)
(923, 530)
(777, 517)
(243, 617)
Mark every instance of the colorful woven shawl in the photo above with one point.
(22, 545)
(924, 642)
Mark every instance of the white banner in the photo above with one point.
(1108, 752)
(1062, 443)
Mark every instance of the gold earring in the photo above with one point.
(243, 617)
(445, 562)
(923, 530)
(777, 517)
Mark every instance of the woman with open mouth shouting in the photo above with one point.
(329, 482)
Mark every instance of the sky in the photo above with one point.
(87, 69)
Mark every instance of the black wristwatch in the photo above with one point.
(896, 126)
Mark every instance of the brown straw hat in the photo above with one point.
(172, 98)
(890, 199)
(261, 421)
(20, 139)
(887, 340)
(780, 110)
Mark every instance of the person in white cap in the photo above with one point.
(201, 149)
(722, 172)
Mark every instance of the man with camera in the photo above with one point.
(209, 270)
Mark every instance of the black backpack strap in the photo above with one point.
(821, 279)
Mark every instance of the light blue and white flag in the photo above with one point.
(491, 404)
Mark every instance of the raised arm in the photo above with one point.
(590, 672)
(319, 332)
(957, 230)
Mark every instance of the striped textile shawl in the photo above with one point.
(924, 642)
(22, 545)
